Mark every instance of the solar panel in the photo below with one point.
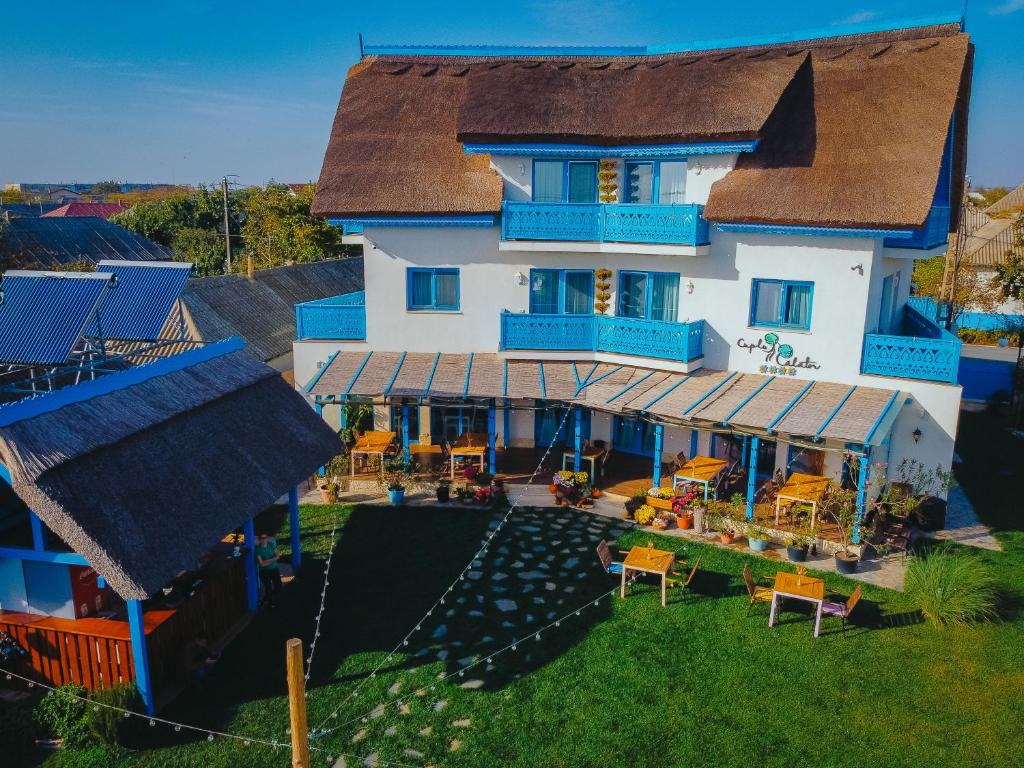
(140, 301)
(43, 314)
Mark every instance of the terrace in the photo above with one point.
(924, 350)
(337, 317)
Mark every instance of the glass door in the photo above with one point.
(582, 182)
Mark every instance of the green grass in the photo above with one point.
(627, 682)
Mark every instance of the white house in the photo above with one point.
(705, 251)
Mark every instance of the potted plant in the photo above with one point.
(644, 514)
(631, 506)
(463, 494)
(595, 493)
(684, 519)
(757, 538)
(841, 507)
(661, 498)
(329, 491)
(796, 548)
(483, 479)
(444, 490)
(663, 521)
(396, 491)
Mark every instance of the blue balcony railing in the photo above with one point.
(923, 351)
(934, 233)
(341, 318)
(605, 223)
(599, 333)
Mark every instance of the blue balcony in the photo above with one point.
(605, 223)
(681, 342)
(923, 351)
(934, 233)
(341, 318)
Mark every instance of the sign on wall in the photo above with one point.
(780, 359)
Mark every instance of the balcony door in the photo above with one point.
(562, 291)
(564, 181)
(656, 181)
(890, 288)
(548, 422)
(648, 295)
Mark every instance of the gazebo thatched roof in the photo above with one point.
(144, 470)
(851, 128)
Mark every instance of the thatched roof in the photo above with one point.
(851, 128)
(143, 479)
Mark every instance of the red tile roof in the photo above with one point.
(103, 210)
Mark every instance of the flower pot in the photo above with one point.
(658, 524)
(552, 488)
(757, 545)
(659, 503)
(444, 493)
(685, 522)
(698, 520)
(329, 495)
(726, 538)
(397, 496)
(796, 553)
(846, 563)
(596, 493)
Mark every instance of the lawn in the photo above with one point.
(623, 683)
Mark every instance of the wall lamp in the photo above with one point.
(916, 434)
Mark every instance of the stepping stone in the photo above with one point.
(457, 644)
(404, 709)
(550, 615)
(441, 630)
(472, 685)
(503, 550)
(499, 560)
(454, 745)
(518, 564)
(394, 689)
(486, 639)
(442, 655)
(474, 575)
(540, 548)
(341, 763)
(428, 731)
(531, 575)
(570, 588)
(391, 730)
(475, 614)
(421, 692)
(465, 661)
(527, 589)
(529, 618)
(450, 612)
(505, 605)
(530, 529)
(526, 556)
(359, 736)
(499, 576)
(422, 652)
(461, 600)
(540, 600)
(499, 590)
(550, 586)
(477, 563)
(413, 753)
(439, 705)
(479, 598)
(378, 711)
(507, 625)
(462, 723)
(571, 563)
(371, 761)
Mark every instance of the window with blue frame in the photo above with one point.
(648, 295)
(656, 181)
(562, 291)
(414, 422)
(781, 304)
(435, 288)
(564, 181)
(632, 435)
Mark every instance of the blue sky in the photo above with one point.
(188, 91)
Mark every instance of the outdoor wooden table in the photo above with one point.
(591, 455)
(648, 560)
(470, 444)
(699, 469)
(798, 587)
(802, 489)
(371, 444)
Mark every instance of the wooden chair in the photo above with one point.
(675, 579)
(604, 554)
(842, 610)
(757, 593)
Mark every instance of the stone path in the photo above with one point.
(962, 524)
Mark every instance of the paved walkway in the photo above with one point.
(962, 524)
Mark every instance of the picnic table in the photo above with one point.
(648, 560)
(372, 443)
(802, 489)
(469, 445)
(590, 455)
(799, 587)
(699, 469)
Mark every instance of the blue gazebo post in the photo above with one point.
(293, 524)
(659, 440)
(506, 418)
(752, 476)
(252, 583)
(492, 437)
(577, 442)
(862, 485)
(693, 443)
(140, 654)
(462, 415)
(405, 432)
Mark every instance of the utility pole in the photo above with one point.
(227, 227)
(297, 704)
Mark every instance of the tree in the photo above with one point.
(203, 247)
(109, 187)
(1010, 274)
(279, 228)
(974, 291)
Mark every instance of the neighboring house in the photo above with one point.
(759, 210)
(52, 243)
(102, 210)
(298, 189)
(25, 210)
(991, 233)
(261, 309)
(120, 483)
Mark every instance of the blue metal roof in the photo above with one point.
(137, 306)
(43, 314)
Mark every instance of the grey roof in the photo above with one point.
(142, 480)
(707, 398)
(262, 310)
(45, 243)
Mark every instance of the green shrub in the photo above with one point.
(17, 731)
(950, 588)
(85, 757)
(109, 726)
(61, 714)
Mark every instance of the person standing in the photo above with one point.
(270, 571)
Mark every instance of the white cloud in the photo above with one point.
(1010, 6)
(859, 17)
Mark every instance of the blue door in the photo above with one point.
(548, 420)
(633, 435)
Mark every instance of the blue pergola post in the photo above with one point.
(405, 432)
(38, 532)
(293, 524)
(577, 442)
(462, 416)
(320, 412)
(659, 440)
(711, 445)
(752, 476)
(252, 582)
(492, 438)
(506, 417)
(693, 443)
(862, 486)
(140, 654)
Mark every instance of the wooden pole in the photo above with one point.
(297, 704)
